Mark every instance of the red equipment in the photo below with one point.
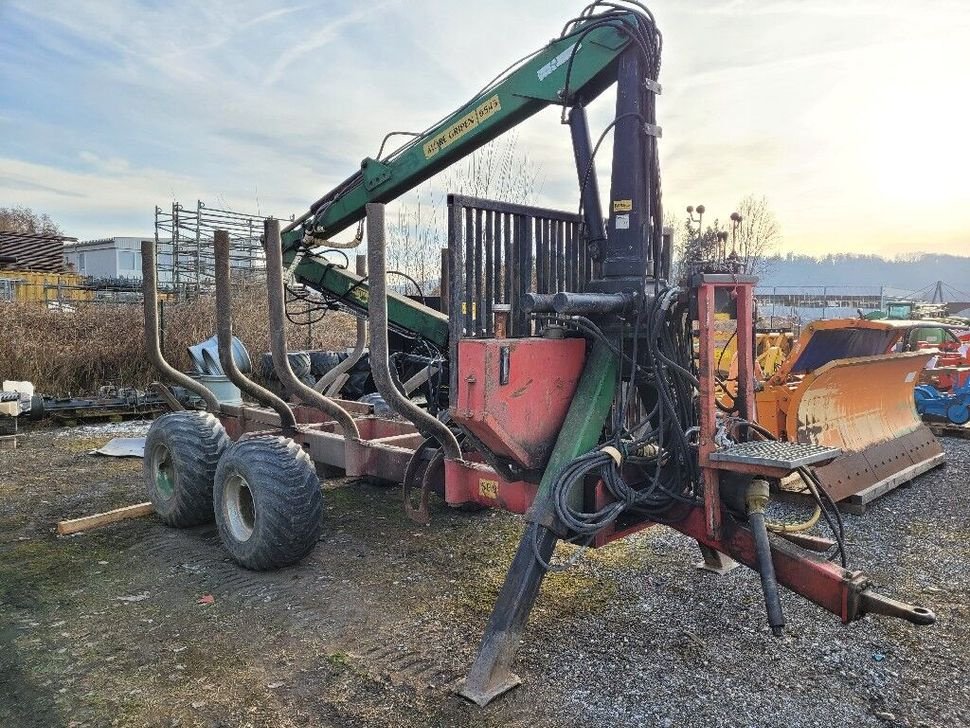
(576, 394)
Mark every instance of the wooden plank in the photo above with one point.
(97, 520)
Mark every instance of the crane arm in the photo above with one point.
(574, 68)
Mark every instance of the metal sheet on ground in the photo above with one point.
(123, 447)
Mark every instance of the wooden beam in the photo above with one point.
(97, 520)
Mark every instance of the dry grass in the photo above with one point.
(100, 343)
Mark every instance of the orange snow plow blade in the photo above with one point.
(865, 407)
(862, 405)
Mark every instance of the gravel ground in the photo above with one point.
(378, 625)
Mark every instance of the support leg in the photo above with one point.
(715, 561)
(491, 674)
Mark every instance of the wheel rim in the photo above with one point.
(958, 414)
(239, 507)
(163, 469)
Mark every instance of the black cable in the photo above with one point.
(413, 282)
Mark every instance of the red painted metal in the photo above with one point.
(822, 582)
(707, 417)
(513, 394)
(741, 291)
(471, 482)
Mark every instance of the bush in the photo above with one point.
(91, 344)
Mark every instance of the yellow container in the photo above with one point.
(39, 286)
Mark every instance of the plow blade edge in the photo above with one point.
(865, 407)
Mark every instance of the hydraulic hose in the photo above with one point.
(756, 500)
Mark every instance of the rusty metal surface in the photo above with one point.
(864, 406)
(225, 339)
(513, 394)
(152, 342)
(276, 307)
(425, 422)
(774, 454)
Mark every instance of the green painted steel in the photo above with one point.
(164, 475)
(536, 84)
(402, 312)
(583, 426)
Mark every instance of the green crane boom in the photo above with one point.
(574, 68)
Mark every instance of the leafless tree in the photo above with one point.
(750, 236)
(24, 220)
(756, 235)
(498, 171)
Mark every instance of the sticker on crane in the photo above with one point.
(622, 205)
(488, 488)
(461, 127)
(560, 60)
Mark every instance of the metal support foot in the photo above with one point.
(715, 561)
(491, 674)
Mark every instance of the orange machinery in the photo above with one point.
(842, 387)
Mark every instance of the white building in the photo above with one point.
(118, 257)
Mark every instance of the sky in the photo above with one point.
(849, 116)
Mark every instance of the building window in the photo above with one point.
(126, 260)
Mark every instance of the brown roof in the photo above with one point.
(32, 251)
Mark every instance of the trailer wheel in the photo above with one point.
(268, 503)
(958, 414)
(182, 451)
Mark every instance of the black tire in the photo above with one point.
(266, 370)
(268, 503)
(381, 407)
(299, 363)
(182, 452)
(322, 362)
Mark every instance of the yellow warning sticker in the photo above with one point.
(461, 127)
(488, 488)
(359, 295)
(622, 205)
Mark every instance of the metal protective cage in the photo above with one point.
(499, 251)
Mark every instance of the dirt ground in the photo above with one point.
(379, 624)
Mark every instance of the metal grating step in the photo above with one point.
(773, 454)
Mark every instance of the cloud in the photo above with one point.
(111, 108)
(271, 15)
(94, 194)
(321, 37)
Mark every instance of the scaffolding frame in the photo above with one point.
(184, 241)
